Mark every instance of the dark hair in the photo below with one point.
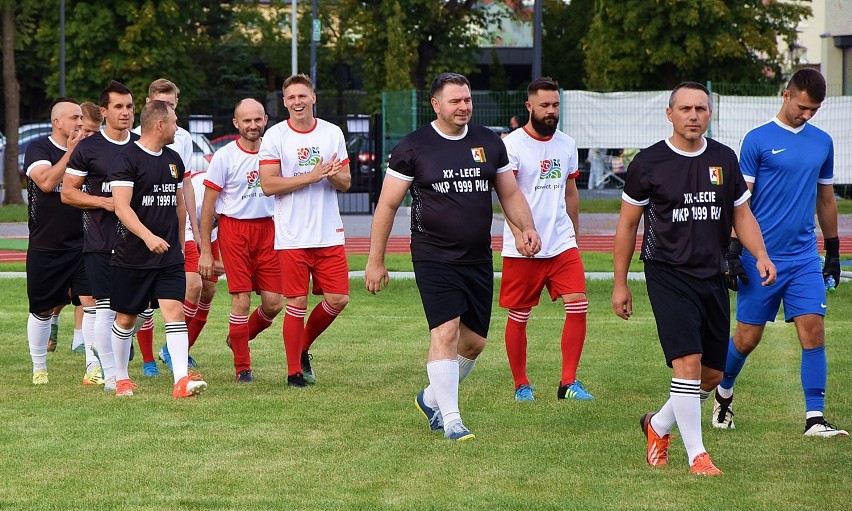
(694, 86)
(810, 81)
(446, 78)
(114, 86)
(543, 83)
(153, 111)
(63, 99)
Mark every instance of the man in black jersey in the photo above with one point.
(54, 257)
(147, 182)
(691, 193)
(450, 168)
(86, 186)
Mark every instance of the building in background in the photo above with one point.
(837, 47)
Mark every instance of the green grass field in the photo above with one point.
(355, 440)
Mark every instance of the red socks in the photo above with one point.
(516, 344)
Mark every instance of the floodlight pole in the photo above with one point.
(294, 43)
(315, 37)
(61, 47)
(536, 63)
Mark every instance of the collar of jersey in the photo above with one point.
(54, 142)
(448, 137)
(688, 154)
(788, 128)
(152, 153)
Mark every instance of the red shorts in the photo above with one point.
(248, 254)
(191, 253)
(326, 266)
(523, 279)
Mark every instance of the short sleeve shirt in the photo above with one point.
(689, 201)
(52, 224)
(156, 179)
(234, 174)
(451, 182)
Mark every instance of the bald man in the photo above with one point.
(54, 256)
(246, 234)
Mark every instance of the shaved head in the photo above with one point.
(62, 106)
(247, 104)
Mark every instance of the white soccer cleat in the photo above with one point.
(825, 429)
(723, 415)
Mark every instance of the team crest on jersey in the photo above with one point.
(550, 169)
(253, 179)
(478, 154)
(308, 156)
(715, 175)
(173, 170)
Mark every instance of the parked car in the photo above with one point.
(362, 160)
(220, 142)
(202, 153)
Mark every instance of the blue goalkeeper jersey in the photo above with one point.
(785, 165)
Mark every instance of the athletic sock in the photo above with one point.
(177, 339)
(121, 340)
(145, 338)
(444, 382)
(258, 322)
(687, 411)
(238, 331)
(77, 340)
(54, 320)
(465, 367)
(516, 344)
(573, 338)
(320, 319)
(664, 420)
(294, 332)
(733, 365)
(38, 334)
(198, 321)
(814, 374)
(104, 318)
(89, 337)
(703, 395)
(189, 310)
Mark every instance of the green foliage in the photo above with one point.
(655, 44)
(565, 25)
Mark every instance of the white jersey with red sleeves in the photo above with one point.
(308, 217)
(234, 174)
(198, 186)
(542, 168)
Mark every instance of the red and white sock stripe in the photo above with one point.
(519, 315)
(296, 312)
(329, 309)
(238, 320)
(578, 307)
(264, 316)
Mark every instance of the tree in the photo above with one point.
(565, 25)
(655, 44)
(12, 95)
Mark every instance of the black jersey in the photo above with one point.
(91, 160)
(689, 201)
(452, 178)
(156, 179)
(52, 224)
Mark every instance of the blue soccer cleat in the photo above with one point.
(165, 357)
(433, 415)
(524, 393)
(150, 370)
(190, 362)
(458, 433)
(574, 391)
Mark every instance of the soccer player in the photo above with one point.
(246, 234)
(88, 169)
(303, 162)
(147, 178)
(92, 118)
(450, 167)
(54, 253)
(691, 192)
(544, 160)
(788, 165)
(162, 89)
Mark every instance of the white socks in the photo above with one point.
(465, 367)
(102, 330)
(89, 318)
(444, 382)
(177, 339)
(121, 340)
(38, 334)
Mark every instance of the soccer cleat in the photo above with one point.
(190, 362)
(165, 357)
(307, 369)
(702, 466)
(132, 350)
(723, 415)
(52, 340)
(296, 380)
(573, 391)
(819, 427)
(150, 369)
(125, 387)
(245, 376)
(657, 453)
(40, 377)
(109, 384)
(457, 432)
(94, 377)
(524, 393)
(189, 386)
(433, 415)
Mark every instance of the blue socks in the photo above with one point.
(733, 365)
(814, 376)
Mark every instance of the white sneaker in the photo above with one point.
(723, 415)
(109, 384)
(825, 429)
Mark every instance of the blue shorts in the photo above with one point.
(799, 285)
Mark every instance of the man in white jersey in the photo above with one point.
(303, 162)
(162, 89)
(545, 164)
(247, 234)
(789, 165)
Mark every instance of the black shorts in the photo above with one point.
(693, 315)
(134, 290)
(450, 291)
(50, 274)
(100, 273)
